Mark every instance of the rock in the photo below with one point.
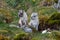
(28, 30)
(45, 31)
(54, 21)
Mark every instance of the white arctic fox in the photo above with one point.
(34, 22)
(23, 21)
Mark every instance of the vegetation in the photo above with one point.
(49, 17)
(22, 36)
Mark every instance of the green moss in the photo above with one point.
(22, 36)
(36, 38)
(55, 16)
(54, 19)
(56, 34)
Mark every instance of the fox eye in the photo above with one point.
(34, 16)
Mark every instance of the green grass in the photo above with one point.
(12, 31)
(9, 30)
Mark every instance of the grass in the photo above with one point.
(12, 31)
(9, 30)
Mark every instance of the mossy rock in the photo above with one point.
(54, 18)
(35, 38)
(42, 22)
(22, 36)
(54, 21)
(56, 34)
